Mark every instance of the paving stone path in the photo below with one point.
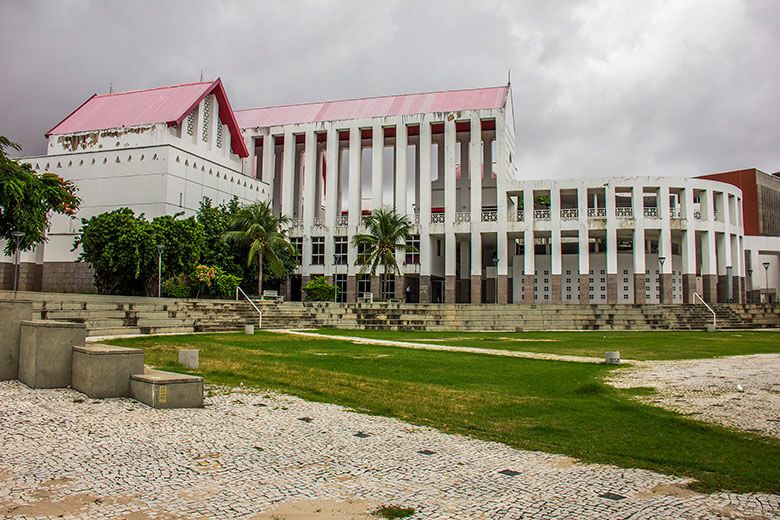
(263, 456)
(433, 346)
(741, 392)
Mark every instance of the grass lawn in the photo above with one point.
(539, 405)
(640, 345)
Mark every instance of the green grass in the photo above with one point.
(640, 345)
(539, 405)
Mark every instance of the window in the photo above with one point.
(297, 243)
(363, 284)
(603, 272)
(362, 253)
(568, 272)
(317, 250)
(625, 271)
(547, 272)
(340, 247)
(340, 281)
(413, 257)
(387, 286)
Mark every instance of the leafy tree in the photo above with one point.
(319, 290)
(27, 200)
(216, 252)
(387, 232)
(256, 226)
(121, 248)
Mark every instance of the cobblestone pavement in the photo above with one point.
(741, 392)
(433, 346)
(264, 456)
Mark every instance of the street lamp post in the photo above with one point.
(17, 238)
(160, 248)
(661, 260)
(495, 263)
(766, 278)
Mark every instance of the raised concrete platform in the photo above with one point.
(46, 352)
(105, 370)
(12, 314)
(160, 389)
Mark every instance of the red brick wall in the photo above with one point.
(746, 181)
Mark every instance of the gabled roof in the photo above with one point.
(151, 106)
(407, 104)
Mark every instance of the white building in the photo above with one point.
(445, 159)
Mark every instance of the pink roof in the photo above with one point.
(447, 101)
(145, 107)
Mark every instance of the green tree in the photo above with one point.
(319, 290)
(121, 248)
(216, 252)
(256, 226)
(28, 200)
(387, 233)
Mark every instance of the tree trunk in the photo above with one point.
(260, 275)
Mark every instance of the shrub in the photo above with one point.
(319, 290)
(176, 287)
(213, 282)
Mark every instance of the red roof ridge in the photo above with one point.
(156, 88)
(372, 97)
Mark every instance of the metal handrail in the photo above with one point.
(714, 318)
(259, 312)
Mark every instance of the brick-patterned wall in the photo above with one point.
(68, 277)
(51, 277)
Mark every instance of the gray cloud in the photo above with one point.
(600, 87)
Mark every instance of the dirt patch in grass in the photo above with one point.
(320, 509)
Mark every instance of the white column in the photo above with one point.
(268, 159)
(425, 197)
(288, 164)
(475, 170)
(708, 257)
(582, 236)
(502, 175)
(528, 236)
(331, 178)
(612, 267)
(555, 230)
(377, 153)
(354, 200)
(450, 197)
(665, 237)
(309, 202)
(401, 148)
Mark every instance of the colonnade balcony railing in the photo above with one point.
(651, 212)
(437, 218)
(490, 216)
(597, 212)
(624, 212)
(570, 213)
(342, 221)
(541, 214)
(462, 217)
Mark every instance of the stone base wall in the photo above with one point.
(639, 288)
(50, 276)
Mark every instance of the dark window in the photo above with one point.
(340, 247)
(317, 250)
(341, 286)
(363, 284)
(297, 243)
(413, 257)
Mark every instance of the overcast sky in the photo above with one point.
(612, 87)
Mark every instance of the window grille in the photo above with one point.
(191, 123)
(206, 119)
(219, 135)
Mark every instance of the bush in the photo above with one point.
(176, 287)
(319, 290)
(213, 282)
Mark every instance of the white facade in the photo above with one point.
(482, 235)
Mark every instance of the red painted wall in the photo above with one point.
(746, 181)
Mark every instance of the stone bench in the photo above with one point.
(160, 389)
(46, 352)
(12, 314)
(105, 370)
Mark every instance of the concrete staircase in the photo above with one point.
(119, 315)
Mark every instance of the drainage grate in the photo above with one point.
(362, 435)
(305, 419)
(509, 472)
(426, 452)
(611, 496)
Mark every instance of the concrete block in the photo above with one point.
(249, 329)
(12, 314)
(612, 357)
(45, 352)
(104, 370)
(160, 389)
(188, 357)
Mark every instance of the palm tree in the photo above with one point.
(387, 232)
(256, 226)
